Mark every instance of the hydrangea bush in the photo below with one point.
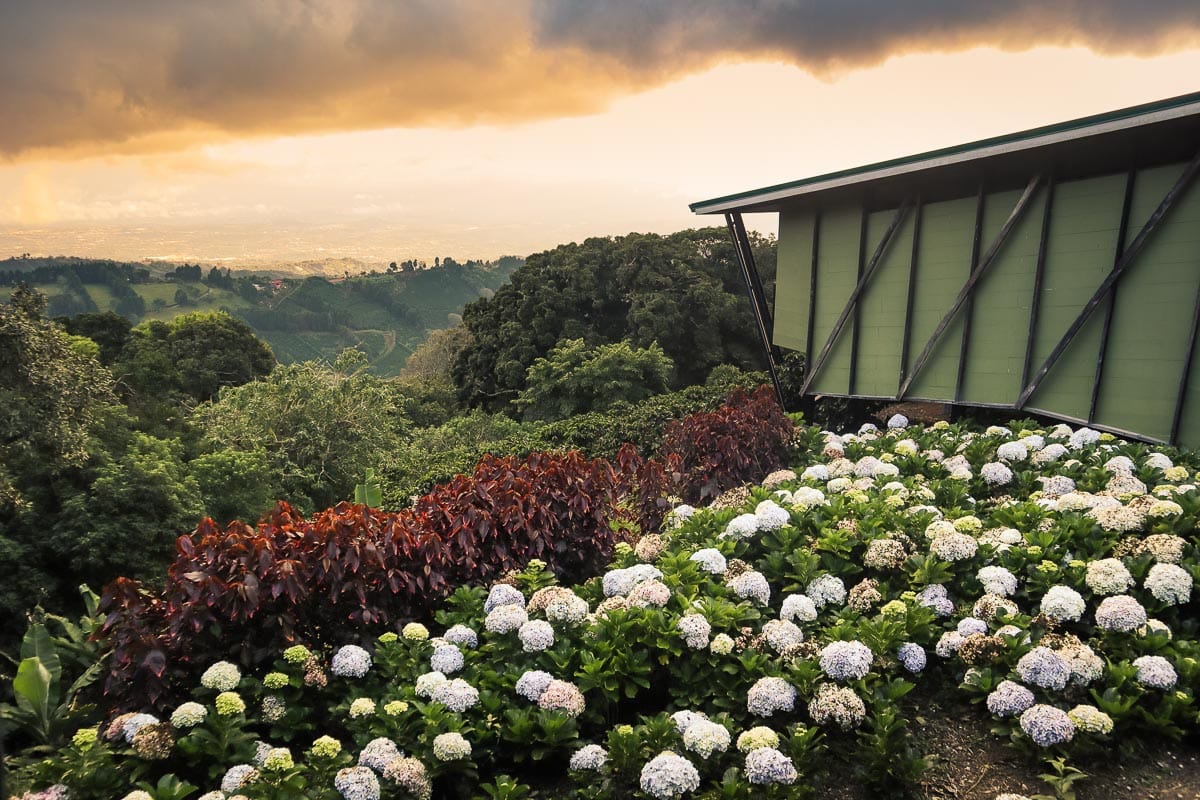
(760, 645)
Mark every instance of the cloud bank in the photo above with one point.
(80, 77)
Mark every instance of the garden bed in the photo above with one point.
(925, 611)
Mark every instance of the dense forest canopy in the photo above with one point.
(683, 291)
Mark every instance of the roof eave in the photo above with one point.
(768, 198)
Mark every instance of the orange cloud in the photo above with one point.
(81, 78)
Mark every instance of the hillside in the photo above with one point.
(386, 314)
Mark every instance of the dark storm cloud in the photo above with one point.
(89, 76)
(824, 35)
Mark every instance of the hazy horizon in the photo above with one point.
(258, 134)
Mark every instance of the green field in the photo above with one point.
(387, 315)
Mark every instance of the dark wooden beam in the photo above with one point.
(812, 290)
(1111, 302)
(969, 307)
(1127, 258)
(1185, 376)
(814, 367)
(969, 287)
(758, 302)
(856, 326)
(912, 292)
(1039, 275)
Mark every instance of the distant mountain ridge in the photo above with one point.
(387, 313)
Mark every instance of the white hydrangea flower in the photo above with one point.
(769, 695)
(710, 560)
(536, 635)
(505, 619)
(996, 474)
(807, 497)
(350, 661)
(705, 737)
(456, 695)
(668, 776)
(1063, 604)
(428, 682)
(741, 527)
(695, 630)
(826, 590)
(221, 676)
(770, 516)
(1108, 576)
(591, 758)
(997, 580)
(1012, 451)
(781, 634)
(846, 661)
(954, 547)
(1169, 583)
(815, 472)
(1120, 613)
(798, 608)
(502, 594)
(447, 659)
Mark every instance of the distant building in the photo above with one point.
(1056, 270)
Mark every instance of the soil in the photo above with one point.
(969, 762)
(916, 411)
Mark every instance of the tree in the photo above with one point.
(320, 426)
(54, 398)
(235, 484)
(109, 330)
(575, 378)
(169, 366)
(51, 394)
(683, 291)
(127, 522)
(434, 358)
(213, 349)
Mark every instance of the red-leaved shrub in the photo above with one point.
(741, 441)
(245, 593)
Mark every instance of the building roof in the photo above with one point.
(1090, 140)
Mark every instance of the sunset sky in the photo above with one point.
(248, 133)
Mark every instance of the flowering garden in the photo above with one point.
(754, 641)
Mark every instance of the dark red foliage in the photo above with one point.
(741, 441)
(649, 483)
(245, 593)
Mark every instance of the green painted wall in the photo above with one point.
(837, 275)
(1003, 300)
(1151, 318)
(1152, 314)
(881, 309)
(792, 280)
(943, 264)
(1084, 225)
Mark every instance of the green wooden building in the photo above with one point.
(1056, 270)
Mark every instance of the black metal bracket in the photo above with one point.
(754, 291)
(865, 275)
(968, 288)
(1102, 292)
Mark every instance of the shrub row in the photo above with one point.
(244, 592)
